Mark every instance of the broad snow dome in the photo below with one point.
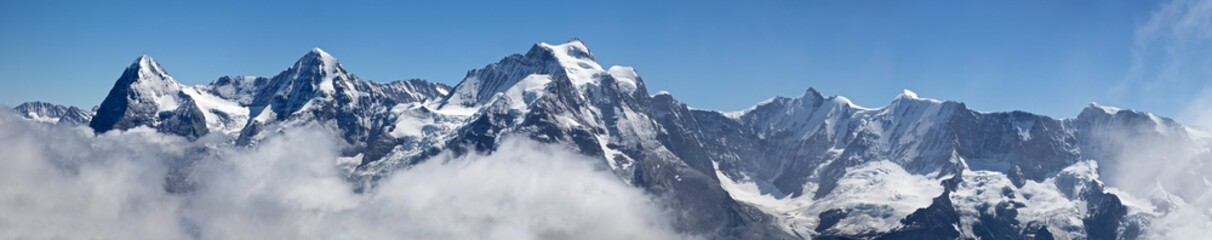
(578, 62)
(626, 77)
(582, 67)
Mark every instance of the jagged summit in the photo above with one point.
(568, 62)
(53, 113)
(319, 54)
(316, 75)
(317, 61)
(812, 93)
(143, 60)
(146, 68)
(317, 88)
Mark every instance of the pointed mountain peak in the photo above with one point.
(143, 60)
(318, 59)
(143, 90)
(812, 93)
(907, 94)
(146, 66)
(318, 50)
(316, 76)
(316, 67)
(147, 71)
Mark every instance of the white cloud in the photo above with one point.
(61, 182)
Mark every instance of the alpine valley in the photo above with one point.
(804, 167)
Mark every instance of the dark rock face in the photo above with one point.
(187, 121)
(43, 111)
(830, 218)
(938, 221)
(1106, 213)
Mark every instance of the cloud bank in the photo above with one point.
(63, 182)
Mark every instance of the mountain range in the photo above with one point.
(810, 166)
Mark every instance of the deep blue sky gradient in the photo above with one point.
(1049, 57)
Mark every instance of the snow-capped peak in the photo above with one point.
(570, 61)
(576, 59)
(909, 97)
(152, 82)
(574, 49)
(143, 91)
(1105, 109)
(319, 50)
(321, 69)
(322, 57)
(148, 68)
(906, 93)
(318, 58)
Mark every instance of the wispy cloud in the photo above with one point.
(1172, 57)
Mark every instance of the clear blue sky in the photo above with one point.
(1049, 57)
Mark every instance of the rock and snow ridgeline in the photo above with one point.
(804, 167)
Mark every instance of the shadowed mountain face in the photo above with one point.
(142, 92)
(810, 166)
